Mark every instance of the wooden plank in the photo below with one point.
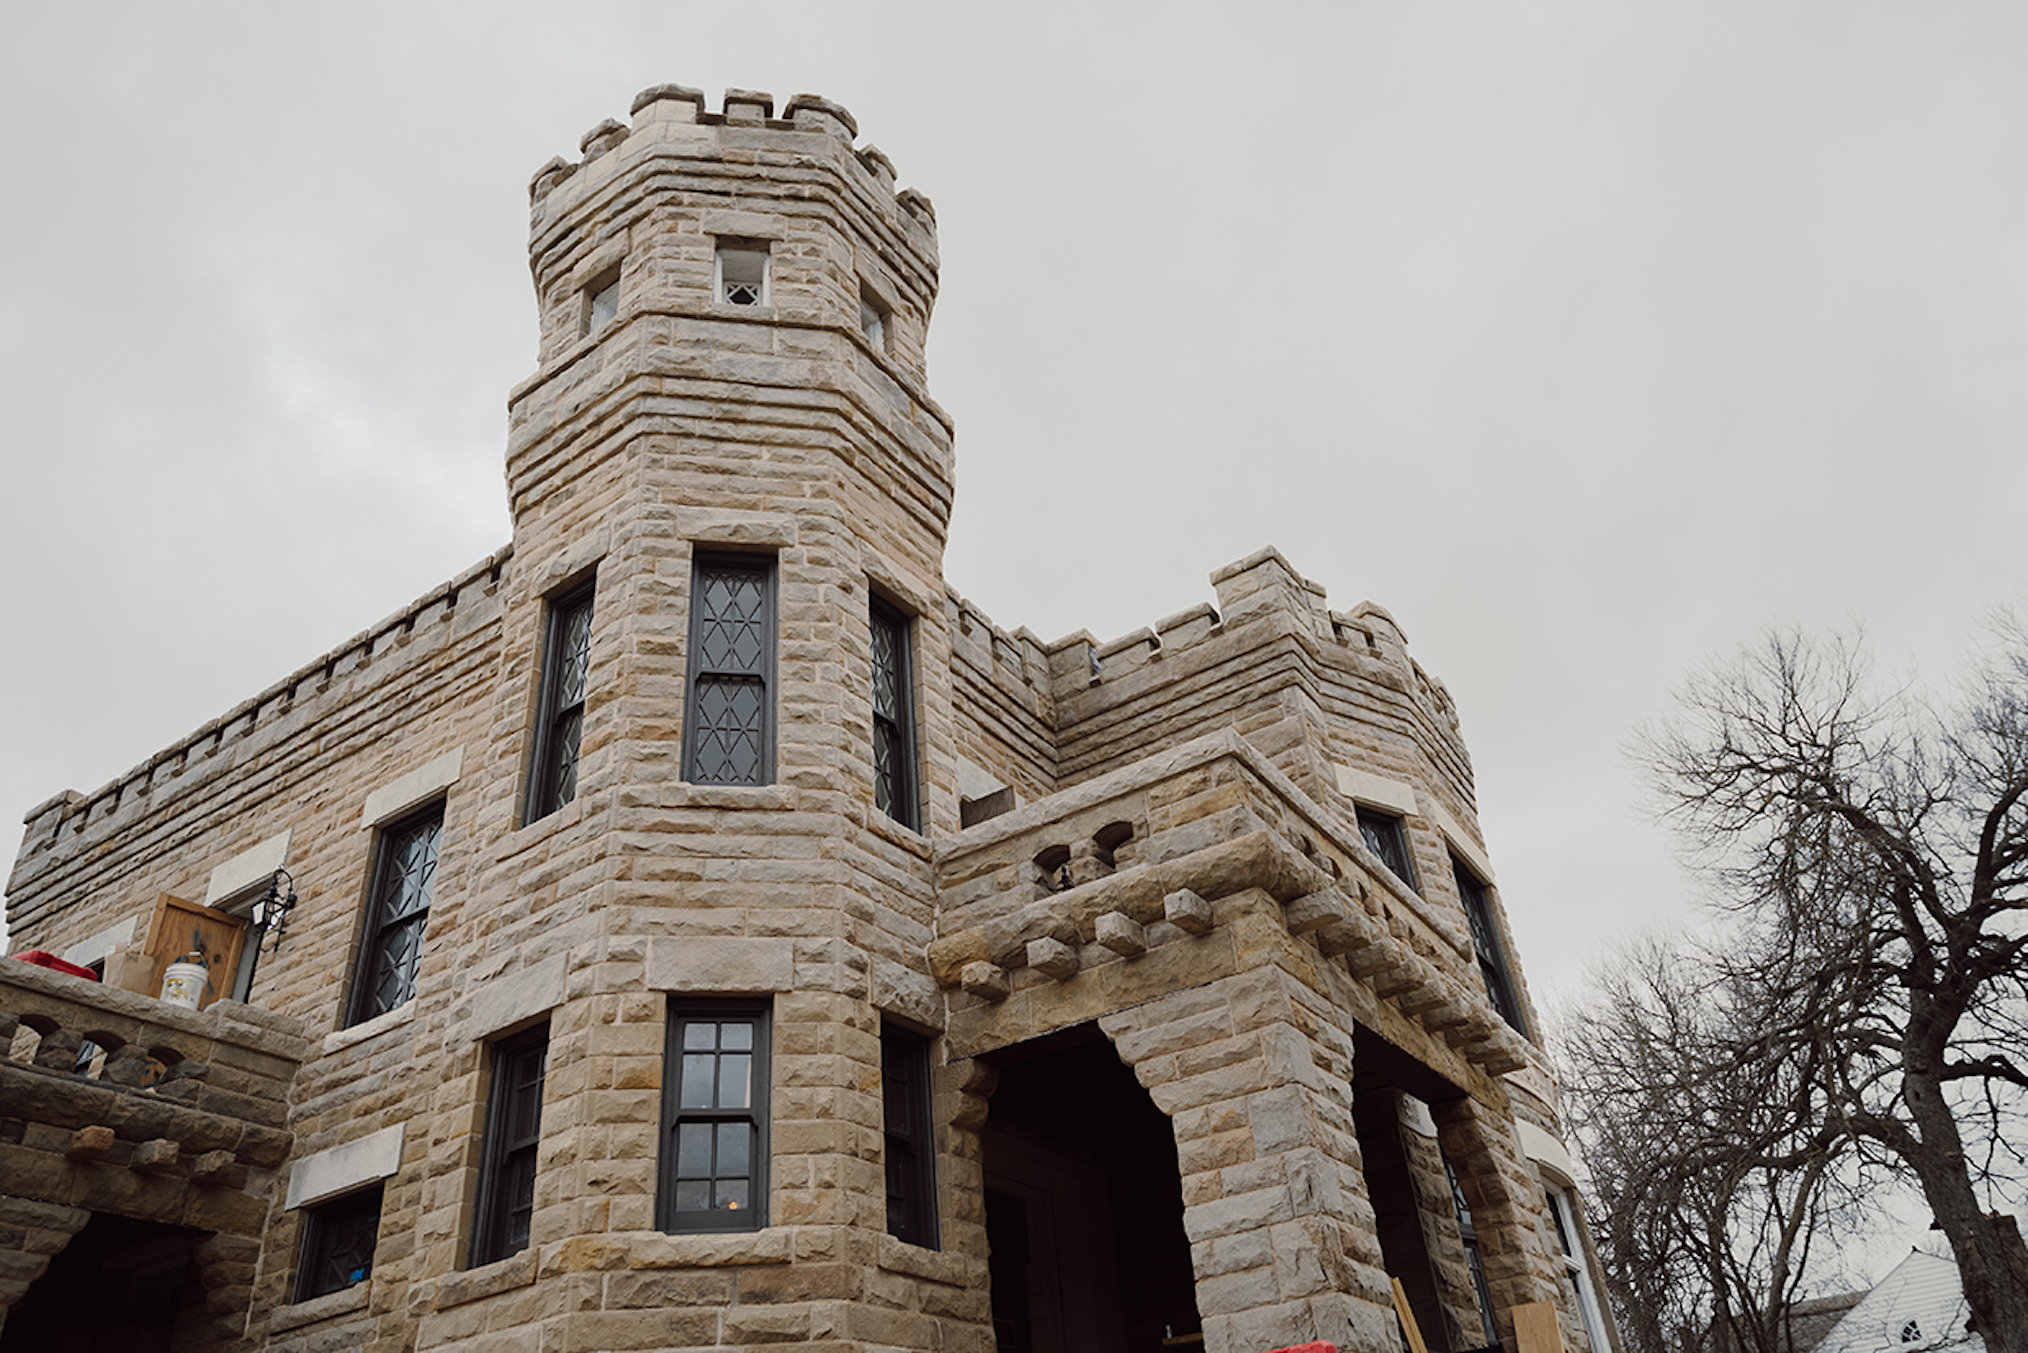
(1536, 1329)
(180, 927)
(1408, 1326)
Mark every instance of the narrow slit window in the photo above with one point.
(910, 1143)
(506, 1204)
(390, 946)
(1486, 940)
(893, 716)
(873, 320)
(742, 273)
(559, 729)
(602, 303)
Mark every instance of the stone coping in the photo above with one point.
(332, 1304)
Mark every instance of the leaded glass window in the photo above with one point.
(728, 728)
(1486, 940)
(390, 946)
(742, 273)
(1384, 836)
(559, 731)
(893, 717)
(513, 1132)
(338, 1242)
(715, 1118)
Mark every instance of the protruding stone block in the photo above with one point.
(1187, 911)
(1052, 958)
(89, 1143)
(602, 138)
(156, 1156)
(987, 981)
(1122, 934)
(210, 1166)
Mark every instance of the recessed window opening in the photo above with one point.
(1486, 940)
(873, 319)
(1384, 836)
(715, 1117)
(602, 302)
(398, 913)
(910, 1142)
(338, 1243)
(506, 1204)
(893, 715)
(559, 727)
(742, 272)
(728, 716)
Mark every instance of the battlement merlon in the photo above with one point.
(679, 178)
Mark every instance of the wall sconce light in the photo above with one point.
(271, 909)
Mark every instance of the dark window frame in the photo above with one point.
(1386, 835)
(1494, 971)
(554, 756)
(758, 1014)
(1475, 1263)
(506, 1198)
(327, 1226)
(910, 1135)
(375, 928)
(701, 676)
(895, 731)
(725, 290)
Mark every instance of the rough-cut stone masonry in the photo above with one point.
(1150, 846)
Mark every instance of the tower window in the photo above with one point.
(873, 320)
(602, 302)
(715, 1117)
(1384, 836)
(728, 718)
(911, 1149)
(893, 716)
(1486, 940)
(742, 272)
(338, 1243)
(560, 726)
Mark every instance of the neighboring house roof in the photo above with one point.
(1810, 1321)
(1920, 1305)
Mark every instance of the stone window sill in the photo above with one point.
(487, 1280)
(379, 1024)
(295, 1316)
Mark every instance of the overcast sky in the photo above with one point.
(1590, 339)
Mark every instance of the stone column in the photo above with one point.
(1507, 1205)
(1254, 1071)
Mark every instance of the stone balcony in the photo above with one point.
(1101, 880)
(117, 1104)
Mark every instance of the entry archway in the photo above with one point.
(1084, 1205)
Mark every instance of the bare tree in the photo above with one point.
(1713, 1174)
(1873, 848)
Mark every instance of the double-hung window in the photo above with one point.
(398, 912)
(338, 1243)
(506, 1202)
(1564, 1217)
(893, 716)
(729, 718)
(559, 728)
(911, 1150)
(1385, 837)
(715, 1117)
(1486, 939)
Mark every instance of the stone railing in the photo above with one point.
(138, 1082)
(1123, 864)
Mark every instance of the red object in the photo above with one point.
(42, 958)
(1320, 1346)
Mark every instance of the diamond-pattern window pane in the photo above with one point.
(893, 729)
(392, 949)
(338, 1244)
(575, 658)
(732, 635)
(1492, 962)
(566, 677)
(729, 731)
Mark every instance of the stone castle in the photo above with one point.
(697, 926)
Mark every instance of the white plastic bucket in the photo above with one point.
(184, 981)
